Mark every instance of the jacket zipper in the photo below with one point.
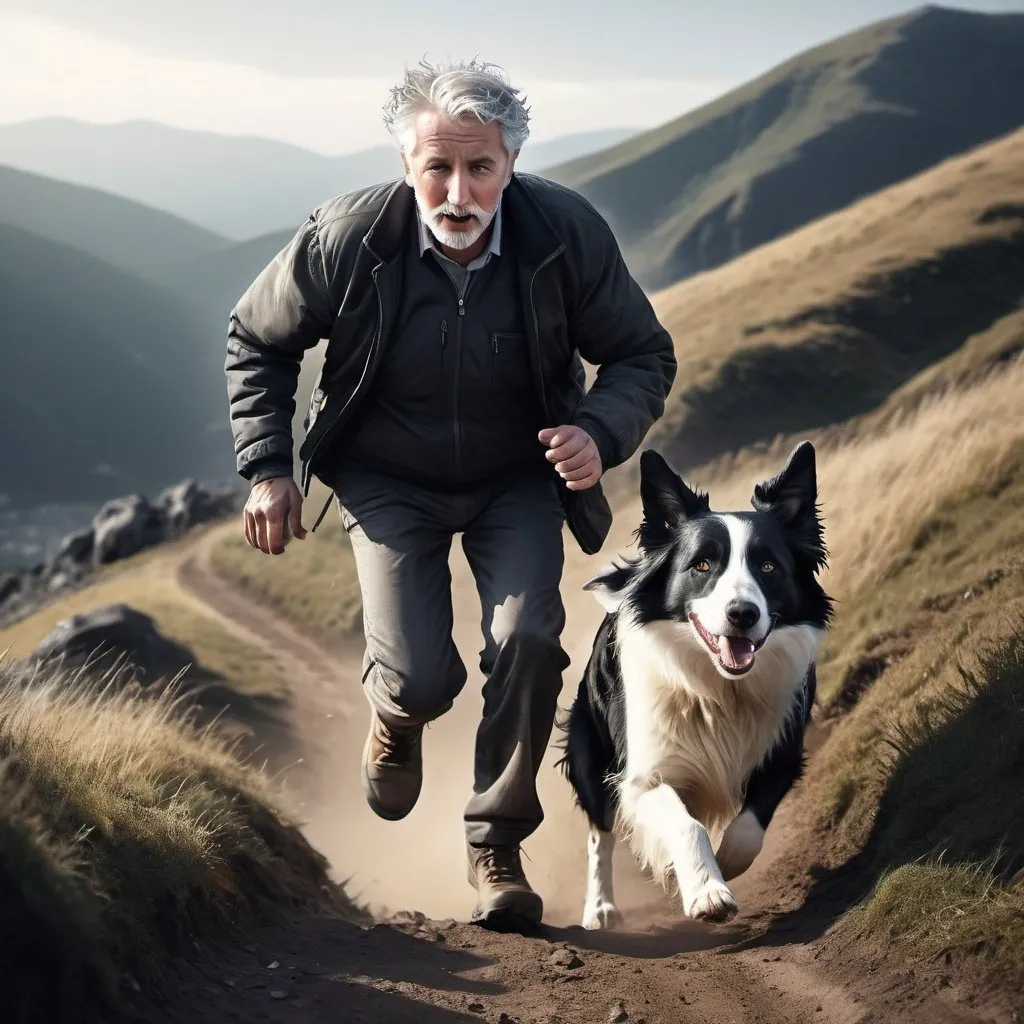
(457, 387)
(444, 343)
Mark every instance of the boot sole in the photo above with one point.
(513, 912)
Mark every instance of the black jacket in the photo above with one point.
(340, 278)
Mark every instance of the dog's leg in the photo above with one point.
(767, 786)
(740, 844)
(599, 910)
(669, 836)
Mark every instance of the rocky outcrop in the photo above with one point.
(123, 527)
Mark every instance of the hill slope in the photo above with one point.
(115, 229)
(239, 186)
(833, 124)
(825, 324)
(107, 381)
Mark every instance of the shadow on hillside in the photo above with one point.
(956, 791)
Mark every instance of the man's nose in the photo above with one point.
(458, 189)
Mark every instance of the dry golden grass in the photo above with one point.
(709, 314)
(126, 833)
(826, 323)
(312, 584)
(149, 583)
(925, 665)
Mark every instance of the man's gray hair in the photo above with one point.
(456, 89)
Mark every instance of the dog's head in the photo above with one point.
(733, 578)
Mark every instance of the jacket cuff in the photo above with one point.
(266, 469)
(602, 438)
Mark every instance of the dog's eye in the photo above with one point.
(767, 567)
(703, 565)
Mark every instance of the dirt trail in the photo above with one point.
(424, 965)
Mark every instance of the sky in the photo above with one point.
(315, 73)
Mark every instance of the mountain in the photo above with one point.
(115, 229)
(833, 124)
(109, 383)
(235, 185)
(873, 308)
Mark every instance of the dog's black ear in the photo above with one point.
(792, 496)
(666, 500)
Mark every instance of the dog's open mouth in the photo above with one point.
(734, 653)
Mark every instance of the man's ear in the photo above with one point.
(406, 168)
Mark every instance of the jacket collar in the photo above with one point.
(523, 223)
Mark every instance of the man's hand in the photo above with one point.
(272, 503)
(574, 454)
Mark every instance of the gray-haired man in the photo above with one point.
(457, 303)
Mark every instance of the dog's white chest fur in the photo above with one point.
(694, 730)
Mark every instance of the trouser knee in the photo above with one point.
(416, 695)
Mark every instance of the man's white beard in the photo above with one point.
(456, 239)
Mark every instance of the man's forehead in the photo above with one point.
(432, 131)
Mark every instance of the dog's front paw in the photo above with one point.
(713, 902)
(602, 916)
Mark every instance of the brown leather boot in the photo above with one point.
(392, 768)
(505, 900)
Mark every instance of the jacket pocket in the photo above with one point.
(510, 360)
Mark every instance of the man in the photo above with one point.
(457, 303)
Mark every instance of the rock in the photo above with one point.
(617, 1014)
(10, 586)
(188, 503)
(109, 636)
(566, 958)
(76, 548)
(126, 526)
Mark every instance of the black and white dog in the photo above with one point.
(689, 721)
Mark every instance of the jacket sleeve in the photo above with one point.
(284, 312)
(614, 327)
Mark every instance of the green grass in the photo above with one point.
(949, 829)
(313, 584)
(126, 834)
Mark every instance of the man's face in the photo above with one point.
(458, 170)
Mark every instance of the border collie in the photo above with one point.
(689, 722)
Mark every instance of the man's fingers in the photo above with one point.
(295, 520)
(582, 485)
(583, 473)
(584, 458)
(248, 528)
(568, 450)
(275, 532)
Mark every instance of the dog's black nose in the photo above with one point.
(742, 614)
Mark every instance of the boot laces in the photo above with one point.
(501, 864)
(396, 745)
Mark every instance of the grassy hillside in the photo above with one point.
(830, 321)
(128, 235)
(833, 124)
(109, 382)
(914, 804)
(127, 838)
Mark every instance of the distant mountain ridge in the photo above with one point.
(237, 186)
(834, 123)
(125, 233)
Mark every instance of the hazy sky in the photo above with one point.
(315, 72)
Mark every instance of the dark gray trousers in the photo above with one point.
(512, 537)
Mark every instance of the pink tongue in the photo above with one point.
(736, 651)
